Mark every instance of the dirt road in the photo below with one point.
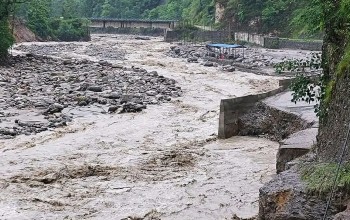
(164, 162)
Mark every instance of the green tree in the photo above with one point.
(307, 19)
(72, 9)
(107, 9)
(38, 17)
(6, 37)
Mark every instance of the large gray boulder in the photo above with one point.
(286, 198)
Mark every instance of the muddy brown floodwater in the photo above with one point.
(164, 162)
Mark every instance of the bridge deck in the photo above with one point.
(132, 23)
(132, 20)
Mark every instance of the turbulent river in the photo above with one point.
(164, 162)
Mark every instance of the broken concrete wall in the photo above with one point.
(256, 39)
(315, 45)
(232, 109)
(198, 36)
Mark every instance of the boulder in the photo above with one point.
(113, 109)
(287, 198)
(117, 66)
(177, 50)
(95, 88)
(126, 98)
(67, 62)
(152, 93)
(229, 68)
(142, 38)
(54, 108)
(192, 60)
(345, 215)
(208, 64)
(114, 95)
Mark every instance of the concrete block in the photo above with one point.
(295, 146)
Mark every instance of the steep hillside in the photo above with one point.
(284, 17)
(22, 33)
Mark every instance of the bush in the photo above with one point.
(6, 39)
(70, 29)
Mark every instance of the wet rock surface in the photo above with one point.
(47, 88)
(64, 49)
(286, 198)
(251, 59)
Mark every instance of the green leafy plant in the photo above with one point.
(299, 65)
(320, 177)
(304, 88)
(6, 39)
(70, 29)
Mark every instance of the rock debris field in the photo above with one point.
(102, 129)
(48, 86)
(63, 50)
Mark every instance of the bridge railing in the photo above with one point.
(133, 20)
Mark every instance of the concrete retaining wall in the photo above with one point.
(278, 43)
(302, 45)
(250, 38)
(200, 36)
(232, 109)
(256, 39)
(171, 36)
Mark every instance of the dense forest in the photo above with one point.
(202, 10)
(288, 18)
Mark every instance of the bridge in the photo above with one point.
(132, 23)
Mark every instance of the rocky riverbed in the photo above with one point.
(251, 59)
(48, 89)
(164, 162)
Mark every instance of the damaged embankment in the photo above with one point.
(287, 196)
(301, 189)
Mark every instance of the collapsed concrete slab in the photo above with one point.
(274, 116)
(295, 146)
(300, 143)
(232, 109)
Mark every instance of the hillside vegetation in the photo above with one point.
(288, 18)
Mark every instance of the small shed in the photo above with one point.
(226, 51)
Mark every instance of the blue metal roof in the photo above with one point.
(226, 46)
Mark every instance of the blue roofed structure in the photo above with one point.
(226, 51)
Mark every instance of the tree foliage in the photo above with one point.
(200, 12)
(298, 18)
(55, 19)
(6, 38)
